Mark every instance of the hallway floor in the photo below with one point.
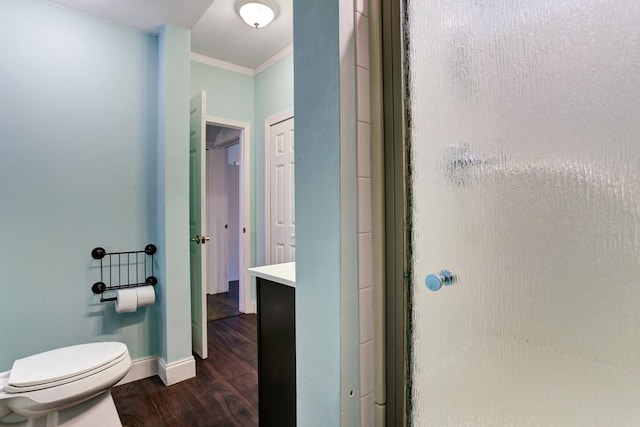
(224, 304)
(224, 392)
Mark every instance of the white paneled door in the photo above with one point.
(282, 214)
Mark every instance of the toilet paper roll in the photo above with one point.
(146, 295)
(126, 300)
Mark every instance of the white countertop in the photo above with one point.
(279, 273)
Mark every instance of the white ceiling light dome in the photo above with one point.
(257, 13)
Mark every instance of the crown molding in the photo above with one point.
(275, 58)
(217, 63)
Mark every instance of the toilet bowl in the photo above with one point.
(66, 387)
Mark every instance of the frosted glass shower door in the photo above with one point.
(525, 184)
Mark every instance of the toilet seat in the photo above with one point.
(63, 383)
(64, 365)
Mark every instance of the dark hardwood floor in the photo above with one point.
(223, 304)
(223, 393)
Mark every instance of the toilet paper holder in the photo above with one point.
(126, 269)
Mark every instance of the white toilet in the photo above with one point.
(67, 387)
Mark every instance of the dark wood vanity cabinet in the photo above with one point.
(276, 354)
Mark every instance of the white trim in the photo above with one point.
(246, 259)
(275, 58)
(223, 65)
(175, 372)
(270, 121)
(140, 369)
(349, 294)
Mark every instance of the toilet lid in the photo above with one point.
(63, 363)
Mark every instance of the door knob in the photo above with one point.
(196, 239)
(435, 281)
(204, 240)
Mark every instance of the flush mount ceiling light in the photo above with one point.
(257, 13)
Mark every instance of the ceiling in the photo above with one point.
(222, 34)
(217, 31)
(220, 136)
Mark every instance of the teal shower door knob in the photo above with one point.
(435, 281)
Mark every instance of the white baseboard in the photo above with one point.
(251, 308)
(140, 369)
(175, 372)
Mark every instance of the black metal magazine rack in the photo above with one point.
(123, 270)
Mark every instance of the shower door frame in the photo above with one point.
(397, 219)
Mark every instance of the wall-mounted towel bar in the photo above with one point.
(124, 270)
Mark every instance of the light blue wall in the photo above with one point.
(174, 294)
(274, 95)
(229, 95)
(317, 158)
(78, 123)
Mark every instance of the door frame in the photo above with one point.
(246, 207)
(270, 121)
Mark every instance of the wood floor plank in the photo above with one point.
(239, 325)
(241, 377)
(240, 403)
(225, 338)
(134, 405)
(223, 393)
(224, 304)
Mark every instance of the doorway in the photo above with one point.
(228, 176)
(225, 285)
(204, 235)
